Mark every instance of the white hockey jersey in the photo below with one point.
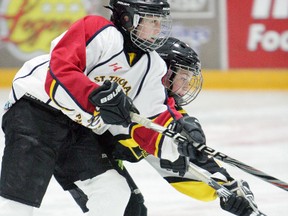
(88, 53)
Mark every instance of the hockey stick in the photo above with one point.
(203, 148)
(220, 189)
(141, 209)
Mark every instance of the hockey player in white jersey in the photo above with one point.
(91, 78)
(88, 82)
(183, 82)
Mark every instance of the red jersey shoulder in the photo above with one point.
(94, 24)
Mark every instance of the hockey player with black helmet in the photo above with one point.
(130, 17)
(184, 78)
(96, 73)
(183, 82)
(87, 82)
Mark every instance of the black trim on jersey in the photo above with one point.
(96, 33)
(54, 100)
(153, 117)
(174, 179)
(122, 136)
(130, 47)
(148, 68)
(92, 37)
(68, 92)
(14, 94)
(59, 83)
(160, 146)
(104, 62)
(48, 101)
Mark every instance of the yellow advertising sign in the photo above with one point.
(28, 26)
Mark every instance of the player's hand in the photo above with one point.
(191, 128)
(241, 202)
(112, 103)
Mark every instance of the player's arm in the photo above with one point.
(164, 147)
(70, 88)
(66, 84)
(186, 183)
(239, 204)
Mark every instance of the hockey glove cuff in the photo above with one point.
(242, 201)
(179, 166)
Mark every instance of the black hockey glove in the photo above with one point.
(190, 128)
(114, 106)
(179, 166)
(242, 202)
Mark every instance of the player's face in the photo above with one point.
(181, 82)
(149, 28)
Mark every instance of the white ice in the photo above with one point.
(250, 126)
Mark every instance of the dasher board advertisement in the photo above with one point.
(258, 33)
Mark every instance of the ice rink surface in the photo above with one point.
(250, 126)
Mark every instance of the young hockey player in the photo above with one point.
(88, 82)
(183, 82)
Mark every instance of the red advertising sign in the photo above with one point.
(258, 33)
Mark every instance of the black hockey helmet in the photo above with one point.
(181, 58)
(127, 15)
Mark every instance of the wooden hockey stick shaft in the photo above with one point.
(209, 151)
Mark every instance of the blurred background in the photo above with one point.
(240, 45)
(243, 107)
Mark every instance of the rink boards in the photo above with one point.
(215, 79)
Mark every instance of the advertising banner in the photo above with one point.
(198, 23)
(258, 33)
(256, 36)
(28, 27)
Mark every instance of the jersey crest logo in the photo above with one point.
(115, 67)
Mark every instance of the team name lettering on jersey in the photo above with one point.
(95, 121)
(78, 119)
(121, 81)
